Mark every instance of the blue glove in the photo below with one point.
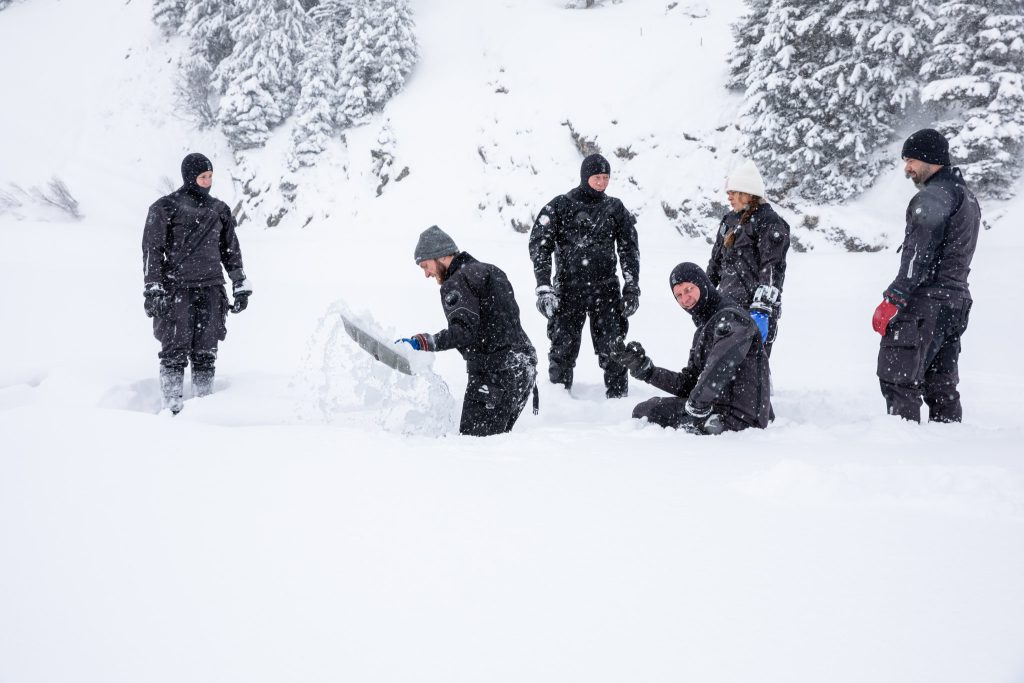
(419, 342)
(761, 320)
(413, 342)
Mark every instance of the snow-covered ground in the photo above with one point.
(290, 527)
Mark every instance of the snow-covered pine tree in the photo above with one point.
(316, 105)
(259, 80)
(825, 87)
(379, 52)
(192, 90)
(747, 33)
(976, 73)
(330, 16)
(169, 15)
(207, 25)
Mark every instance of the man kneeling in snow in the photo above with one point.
(725, 386)
(484, 325)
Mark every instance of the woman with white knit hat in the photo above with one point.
(748, 261)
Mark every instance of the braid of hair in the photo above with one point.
(752, 206)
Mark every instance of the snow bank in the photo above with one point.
(340, 378)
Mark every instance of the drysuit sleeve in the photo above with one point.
(628, 245)
(543, 241)
(715, 264)
(154, 243)
(462, 309)
(675, 383)
(230, 253)
(926, 229)
(773, 245)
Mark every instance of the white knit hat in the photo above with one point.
(746, 178)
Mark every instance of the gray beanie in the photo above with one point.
(434, 243)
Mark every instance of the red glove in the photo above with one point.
(883, 314)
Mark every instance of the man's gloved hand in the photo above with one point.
(157, 303)
(630, 302)
(547, 301)
(419, 342)
(893, 300)
(713, 425)
(761, 320)
(632, 357)
(704, 421)
(883, 314)
(765, 298)
(240, 290)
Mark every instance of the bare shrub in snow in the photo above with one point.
(192, 92)
(585, 145)
(55, 200)
(59, 197)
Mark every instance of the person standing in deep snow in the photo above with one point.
(582, 230)
(924, 311)
(748, 261)
(188, 238)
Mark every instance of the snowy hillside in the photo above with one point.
(307, 521)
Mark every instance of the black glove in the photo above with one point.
(632, 357)
(241, 301)
(157, 303)
(766, 297)
(630, 302)
(240, 290)
(547, 301)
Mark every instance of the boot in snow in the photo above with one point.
(172, 381)
(202, 381)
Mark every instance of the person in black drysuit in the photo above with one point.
(582, 229)
(484, 325)
(725, 385)
(924, 311)
(188, 237)
(748, 261)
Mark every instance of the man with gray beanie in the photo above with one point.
(188, 241)
(581, 231)
(924, 310)
(484, 326)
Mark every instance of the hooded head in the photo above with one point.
(595, 164)
(709, 299)
(927, 145)
(192, 167)
(746, 178)
(434, 243)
